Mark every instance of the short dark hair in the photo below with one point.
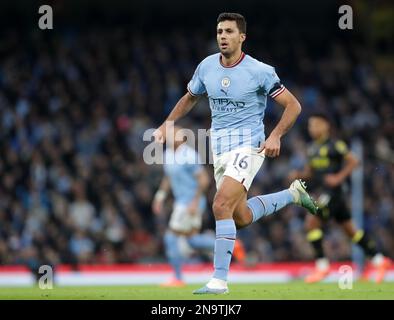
(238, 18)
(322, 115)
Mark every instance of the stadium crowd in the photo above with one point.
(73, 109)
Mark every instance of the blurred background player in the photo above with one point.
(329, 165)
(188, 180)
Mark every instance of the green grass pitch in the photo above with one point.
(288, 291)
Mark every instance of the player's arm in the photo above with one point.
(183, 106)
(161, 195)
(335, 179)
(292, 109)
(203, 184)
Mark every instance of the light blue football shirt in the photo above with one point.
(181, 167)
(237, 98)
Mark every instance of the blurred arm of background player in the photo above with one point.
(183, 106)
(161, 195)
(335, 179)
(203, 184)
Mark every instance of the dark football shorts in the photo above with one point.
(336, 208)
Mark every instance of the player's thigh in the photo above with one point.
(228, 196)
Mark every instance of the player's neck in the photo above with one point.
(323, 138)
(231, 60)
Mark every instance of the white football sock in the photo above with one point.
(377, 259)
(322, 264)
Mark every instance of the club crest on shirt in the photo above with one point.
(225, 82)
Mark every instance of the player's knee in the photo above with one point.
(222, 208)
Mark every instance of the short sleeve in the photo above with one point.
(270, 82)
(196, 86)
(341, 147)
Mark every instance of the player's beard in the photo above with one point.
(226, 52)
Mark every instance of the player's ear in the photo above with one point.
(243, 37)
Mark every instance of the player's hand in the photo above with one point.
(193, 207)
(271, 147)
(157, 207)
(332, 180)
(159, 134)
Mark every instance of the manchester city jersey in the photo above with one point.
(237, 98)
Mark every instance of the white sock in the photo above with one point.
(322, 264)
(377, 259)
(215, 283)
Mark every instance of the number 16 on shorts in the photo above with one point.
(245, 165)
(241, 165)
(241, 161)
